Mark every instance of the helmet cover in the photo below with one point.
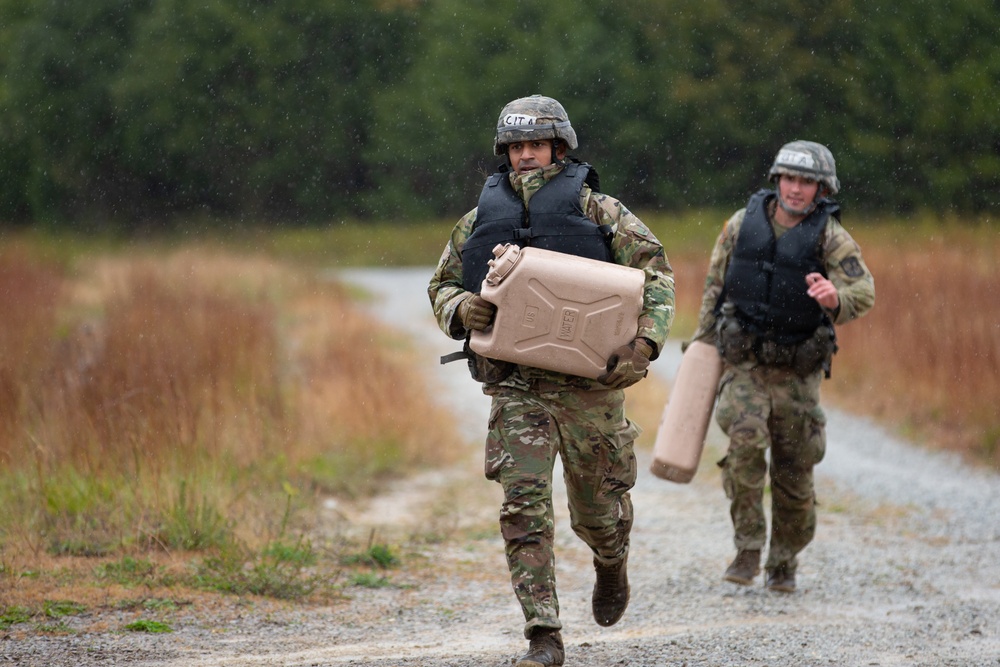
(530, 118)
(808, 159)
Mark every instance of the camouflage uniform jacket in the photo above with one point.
(844, 267)
(633, 244)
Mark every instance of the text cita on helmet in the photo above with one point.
(534, 117)
(808, 159)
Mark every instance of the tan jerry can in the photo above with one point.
(557, 311)
(680, 437)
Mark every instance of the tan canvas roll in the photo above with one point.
(557, 311)
(680, 437)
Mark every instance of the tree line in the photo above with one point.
(140, 111)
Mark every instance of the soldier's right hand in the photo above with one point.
(475, 313)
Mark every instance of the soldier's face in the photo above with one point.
(527, 155)
(798, 192)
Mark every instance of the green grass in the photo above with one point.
(376, 555)
(131, 572)
(194, 523)
(48, 618)
(369, 580)
(282, 570)
(14, 615)
(145, 625)
(161, 605)
(57, 628)
(367, 243)
(60, 608)
(356, 243)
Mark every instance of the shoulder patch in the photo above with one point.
(852, 267)
(639, 228)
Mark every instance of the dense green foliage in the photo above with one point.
(137, 110)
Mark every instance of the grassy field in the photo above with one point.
(172, 413)
(925, 362)
(172, 409)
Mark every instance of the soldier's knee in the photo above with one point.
(743, 474)
(747, 452)
(748, 434)
(526, 511)
(524, 528)
(793, 486)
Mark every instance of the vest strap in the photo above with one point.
(454, 356)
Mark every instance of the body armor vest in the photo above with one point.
(766, 281)
(554, 220)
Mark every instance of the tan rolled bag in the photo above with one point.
(557, 311)
(680, 437)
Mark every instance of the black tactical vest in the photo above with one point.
(554, 220)
(766, 276)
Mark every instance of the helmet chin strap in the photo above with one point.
(555, 158)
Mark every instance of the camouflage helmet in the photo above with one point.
(535, 117)
(809, 159)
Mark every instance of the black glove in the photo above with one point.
(475, 313)
(628, 364)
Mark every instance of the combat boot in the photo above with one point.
(545, 649)
(611, 592)
(781, 579)
(744, 567)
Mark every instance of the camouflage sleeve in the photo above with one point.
(635, 245)
(716, 276)
(445, 289)
(847, 270)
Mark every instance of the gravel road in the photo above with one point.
(904, 570)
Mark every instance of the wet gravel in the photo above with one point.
(904, 570)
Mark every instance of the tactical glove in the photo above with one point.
(627, 365)
(475, 313)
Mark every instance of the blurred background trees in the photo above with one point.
(131, 112)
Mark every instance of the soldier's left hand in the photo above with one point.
(628, 364)
(475, 313)
(824, 291)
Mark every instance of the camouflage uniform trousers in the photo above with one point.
(589, 431)
(761, 407)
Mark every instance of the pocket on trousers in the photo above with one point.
(727, 479)
(725, 411)
(624, 435)
(496, 452)
(621, 468)
(815, 436)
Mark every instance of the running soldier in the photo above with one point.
(538, 414)
(783, 272)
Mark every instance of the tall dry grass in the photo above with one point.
(689, 276)
(29, 295)
(146, 401)
(927, 358)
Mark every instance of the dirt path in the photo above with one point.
(905, 568)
